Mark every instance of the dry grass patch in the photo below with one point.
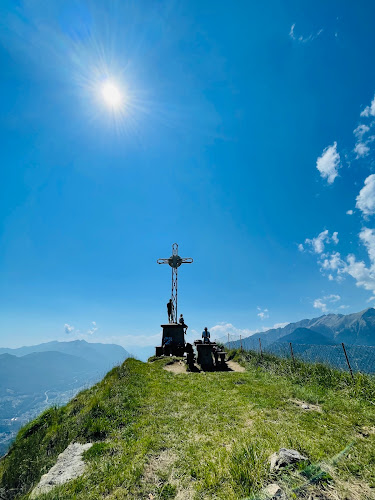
(176, 367)
(305, 406)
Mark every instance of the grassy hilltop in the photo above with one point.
(160, 435)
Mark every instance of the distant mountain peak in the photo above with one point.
(354, 328)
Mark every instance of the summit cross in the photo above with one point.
(175, 261)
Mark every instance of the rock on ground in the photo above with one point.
(69, 465)
(285, 457)
(273, 492)
(306, 406)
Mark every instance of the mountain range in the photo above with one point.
(35, 377)
(352, 329)
(99, 354)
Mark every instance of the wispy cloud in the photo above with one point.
(360, 131)
(263, 313)
(361, 149)
(369, 110)
(317, 244)
(362, 146)
(336, 267)
(222, 329)
(331, 263)
(323, 301)
(68, 328)
(93, 328)
(329, 163)
(301, 38)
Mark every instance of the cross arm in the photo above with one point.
(163, 261)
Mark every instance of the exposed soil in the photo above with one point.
(180, 367)
(235, 367)
(176, 368)
(159, 465)
(305, 406)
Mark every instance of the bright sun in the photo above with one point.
(112, 95)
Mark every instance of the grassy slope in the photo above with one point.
(206, 435)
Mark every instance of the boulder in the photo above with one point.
(285, 457)
(273, 492)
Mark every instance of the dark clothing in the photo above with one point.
(206, 336)
(170, 310)
(182, 323)
(181, 320)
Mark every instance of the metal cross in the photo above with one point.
(175, 262)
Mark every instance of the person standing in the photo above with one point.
(206, 336)
(170, 310)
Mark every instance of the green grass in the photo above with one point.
(206, 435)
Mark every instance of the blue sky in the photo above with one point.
(235, 139)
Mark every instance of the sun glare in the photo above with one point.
(112, 95)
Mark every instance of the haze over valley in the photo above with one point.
(33, 378)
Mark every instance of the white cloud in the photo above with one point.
(367, 236)
(318, 244)
(278, 325)
(364, 276)
(360, 131)
(68, 328)
(322, 302)
(366, 198)
(318, 304)
(263, 313)
(369, 110)
(331, 261)
(334, 238)
(338, 267)
(221, 330)
(329, 163)
(349, 212)
(300, 247)
(301, 38)
(93, 328)
(332, 298)
(361, 149)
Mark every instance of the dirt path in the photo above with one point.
(180, 367)
(235, 367)
(176, 368)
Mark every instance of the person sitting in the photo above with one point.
(182, 323)
(206, 336)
